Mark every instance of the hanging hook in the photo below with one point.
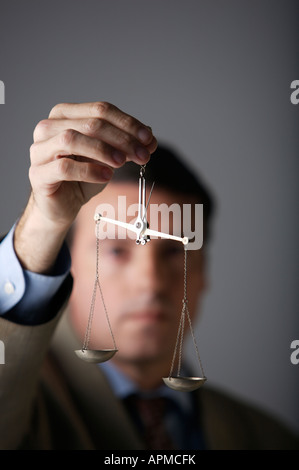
(142, 170)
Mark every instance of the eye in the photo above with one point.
(118, 252)
(173, 250)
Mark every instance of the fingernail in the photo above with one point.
(118, 157)
(142, 153)
(106, 173)
(144, 135)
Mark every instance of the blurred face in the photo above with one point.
(142, 285)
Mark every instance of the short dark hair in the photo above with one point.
(171, 172)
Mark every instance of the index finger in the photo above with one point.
(107, 112)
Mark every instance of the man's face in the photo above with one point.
(142, 285)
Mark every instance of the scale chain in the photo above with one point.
(92, 307)
(180, 335)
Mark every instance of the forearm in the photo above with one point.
(25, 346)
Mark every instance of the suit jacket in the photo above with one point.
(50, 399)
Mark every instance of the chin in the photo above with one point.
(143, 352)
(149, 333)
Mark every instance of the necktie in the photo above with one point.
(152, 415)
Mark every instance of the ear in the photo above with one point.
(204, 283)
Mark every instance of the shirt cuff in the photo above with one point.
(24, 294)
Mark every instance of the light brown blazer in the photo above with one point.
(50, 399)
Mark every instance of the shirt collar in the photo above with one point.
(123, 387)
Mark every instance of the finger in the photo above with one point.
(107, 112)
(96, 128)
(71, 142)
(47, 178)
(152, 147)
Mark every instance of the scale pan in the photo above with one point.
(184, 384)
(94, 355)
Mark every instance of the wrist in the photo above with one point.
(38, 240)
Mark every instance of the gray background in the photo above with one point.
(213, 78)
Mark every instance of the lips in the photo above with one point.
(148, 309)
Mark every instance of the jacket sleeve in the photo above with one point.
(24, 351)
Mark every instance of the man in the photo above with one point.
(49, 398)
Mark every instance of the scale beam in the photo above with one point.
(143, 233)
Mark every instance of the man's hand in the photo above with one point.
(74, 154)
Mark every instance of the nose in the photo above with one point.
(148, 272)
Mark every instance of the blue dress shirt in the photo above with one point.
(24, 295)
